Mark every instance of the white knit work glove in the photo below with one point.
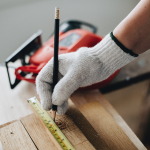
(79, 69)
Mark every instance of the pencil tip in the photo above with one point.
(54, 115)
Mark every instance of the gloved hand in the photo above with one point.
(79, 69)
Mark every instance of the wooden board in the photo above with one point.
(1, 146)
(92, 105)
(30, 134)
(14, 106)
(106, 133)
(86, 128)
(73, 133)
(120, 121)
(15, 137)
(37, 133)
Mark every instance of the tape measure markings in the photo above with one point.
(50, 124)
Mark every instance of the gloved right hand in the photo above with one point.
(82, 68)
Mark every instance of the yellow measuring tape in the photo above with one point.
(50, 124)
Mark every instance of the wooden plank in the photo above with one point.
(25, 90)
(90, 105)
(46, 129)
(37, 133)
(86, 128)
(73, 133)
(15, 137)
(44, 141)
(106, 126)
(1, 146)
(119, 120)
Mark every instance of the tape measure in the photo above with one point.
(50, 124)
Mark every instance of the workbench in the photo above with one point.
(92, 123)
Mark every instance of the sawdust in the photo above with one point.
(61, 125)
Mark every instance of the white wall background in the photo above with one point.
(19, 19)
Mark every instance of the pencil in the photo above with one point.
(55, 65)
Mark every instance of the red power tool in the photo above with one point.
(33, 55)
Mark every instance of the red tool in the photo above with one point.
(71, 37)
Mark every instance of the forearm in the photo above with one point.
(134, 31)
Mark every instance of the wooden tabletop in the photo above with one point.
(97, 121)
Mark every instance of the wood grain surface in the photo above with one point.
(14, 105)
(29, 133)
(73, 133)
(106, 121)
(15, 137)
(37, 133)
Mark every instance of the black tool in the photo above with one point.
(55, 65)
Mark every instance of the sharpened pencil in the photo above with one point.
(55, 65)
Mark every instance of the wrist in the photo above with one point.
(125, 49)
